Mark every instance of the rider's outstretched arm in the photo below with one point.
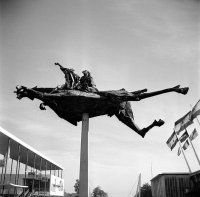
(61, 67)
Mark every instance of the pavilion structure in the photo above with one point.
(25, 171)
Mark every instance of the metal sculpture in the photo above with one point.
(79, 95)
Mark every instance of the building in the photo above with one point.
(170, 185)
(176, 185)
(194, 184)
(25, 171)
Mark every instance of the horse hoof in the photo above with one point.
(183, 90)
(159, 123)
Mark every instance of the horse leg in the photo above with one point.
(174, 89)
(129, 121)
(155, 123)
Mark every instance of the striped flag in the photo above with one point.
(179, 151)
(172, 141)
(183, 123)
(184, 136)
(195, 111)
(193, 135)
(185, 145)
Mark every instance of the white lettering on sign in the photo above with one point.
(56, 186)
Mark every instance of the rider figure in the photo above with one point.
(87, 82)
(71, 79)
(75, 78)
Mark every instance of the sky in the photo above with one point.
(131, 44)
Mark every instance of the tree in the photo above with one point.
(76, 186)
(98, 192)
(146, 190)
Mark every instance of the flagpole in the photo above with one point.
(193, 147)
(194, 151)
(184, 154)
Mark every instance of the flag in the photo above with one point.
(195, 111)
(171, 142)
(179, 151)
(193, 135)
(184, 136)
(183, 123)
(186, 144)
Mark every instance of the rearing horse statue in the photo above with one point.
(70, 104)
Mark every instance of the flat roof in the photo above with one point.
(170, 173)
(41, 161)
(196, 172)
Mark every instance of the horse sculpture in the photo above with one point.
(70, 104)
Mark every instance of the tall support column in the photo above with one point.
(11, 168)
(45, 183)
(50, 177)
(26, 165)
(6, 162)
(83, 176)
(33, 183)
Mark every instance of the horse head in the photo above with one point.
(23, 91)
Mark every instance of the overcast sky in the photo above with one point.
(132, 44)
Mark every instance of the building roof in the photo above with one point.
(170, 173)
(195, 173)
(41, 161)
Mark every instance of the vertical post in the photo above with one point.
(50, 180)
(2, 173)
(11, 167)
(194, 151)
(83, 176)
(40, 176)
(17, 168)
(33, 182)
(26, 165)
(184, 155)
(193, 148)
(6, 162)
(45, 183)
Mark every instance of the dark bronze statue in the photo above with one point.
(86, 82)
(71, 79)
(80, 95)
